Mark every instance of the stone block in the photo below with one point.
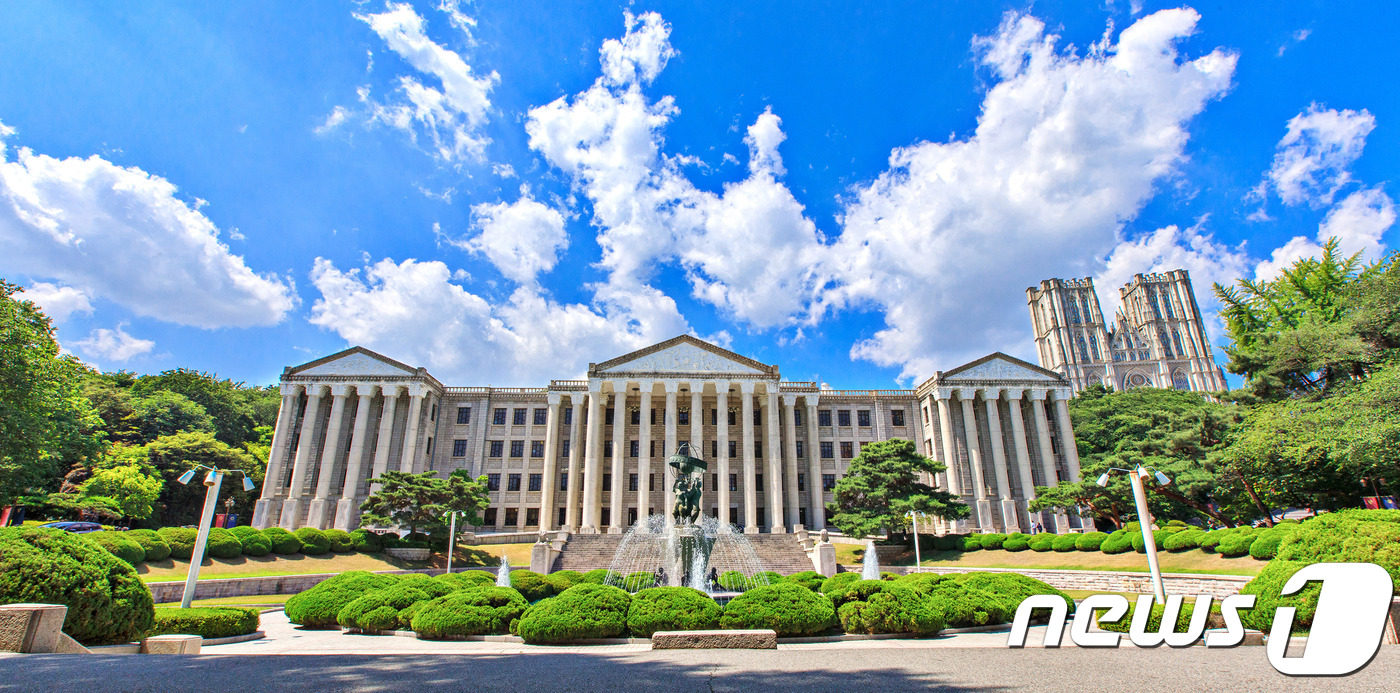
(824, 559)
(409, 554)
(172, 644)
(714, 640)
(541, 558)
(32, 627)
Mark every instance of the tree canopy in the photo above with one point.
(419, 501)
(882, 485)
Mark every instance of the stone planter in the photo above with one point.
(409, 554)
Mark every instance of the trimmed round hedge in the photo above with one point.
(972, 542)
(600, 576)
(318, 607)
(671, 608)
(1044, 541)
(582, 612)
(118, 546)
(1237, 544)
(206, 622)
(482, 611)
(254, 542)
(1065, 543)
(367, 541)
(314, 542)
(1090, 541)
(1016, 542)
(991, 541)
(468, 579)
(1213, 538)
(853, 591)
(635, 582)
(838, 582)
(341, 541)
(959, 606)
(897, 608)
(532, 585)
(1266, 587)
(156, 549)
(563, 579)
(810, 579)
(1184, 540)
(283, 542)
(785, 608)
(378, 610)
(1120, 541)
(180, 540)
(222, 543)
(107, 602)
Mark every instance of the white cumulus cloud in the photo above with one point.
(57, 302)
(522, 239)
(114, 345)
(1358, 222)
(1312, 160)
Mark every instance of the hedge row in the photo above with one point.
(140, 545)
(206, 622)
(1176, 536)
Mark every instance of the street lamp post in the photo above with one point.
(1135, 477)
(451, 536)
(918, 562)
(212, 481)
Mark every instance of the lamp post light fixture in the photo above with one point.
(914, 520)
(1136, 477)
(212, 481)
(451, 536)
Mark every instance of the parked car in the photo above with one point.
(75, 527)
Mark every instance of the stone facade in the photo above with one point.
(1157, 339)
(590, 455)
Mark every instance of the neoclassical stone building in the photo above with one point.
(590, 455)
(1157, 338)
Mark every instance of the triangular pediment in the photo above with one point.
(354, 361)
(683, 354)
(999, 366)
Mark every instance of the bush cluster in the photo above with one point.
(367, 541)
(221, 543)
(581, 612)
(1090, 541)
(895, 608)
(180, 540)
(991, 541)
(254, 542)
(314, 542)
(283, 542)
(155, 548)
(378, 610)
(1016, 542)
(478, 611)
(671, 608)
(533, 585)
(341, 541)
(206, 622)
(785, 608)
(810, 579)
(1042, 542)
(1120, 541)
(319, 606)
(118, 545)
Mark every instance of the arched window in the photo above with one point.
(1166, 348)
(1180, 382)
(1135, 380)
(1152, 299)
(1094, 379)
(1167, 301)
(1073, 312)
(1094, 346)
(1083, 350)
(1088, 314)
(1176, 339)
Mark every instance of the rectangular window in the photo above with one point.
(651, 483)
(897, 417)
(801, 450)
(537, 448)
(796, 416)
(653, 416)
(607, 483)
(532, 517)
(714, 449)
(512, 482)
(608, 416)
(568, 418)
(828, 482)
(563, 517)
(464, 415)
(488, 518)
(863, 418)
(802, 516)
(823, 417)
(757, 416)
(827, 452)
(733, 418)
(636, 417)
(517, 448)
(512, 517)
(607, 448)
(733, 482)
(563, 483)
(432, 413)
(802, 482)
(497, 448)
(651, 448)
(847, 449)
(631, 482)
(459, 448)
(631, 516)
(429, 450)
(684, 418)
(733, 516)
(518, 417)
(564, 449)
(541, 415)
(758, 484)
(843, 417)
(733, 449)
(714, 417)
(634, 447)
(714, 482)
(536, 481)
(493, 482)
(498, 417)
(758, 448)
(926, 415)
(607, 518)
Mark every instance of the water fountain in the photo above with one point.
(503, 573)
(870, 566)
(685, 547)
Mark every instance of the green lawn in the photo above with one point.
(299, 564)
(254, 600)
(1193, 561)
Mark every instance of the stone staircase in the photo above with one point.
(780, 553)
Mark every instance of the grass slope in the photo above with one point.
(297, 564)
(1194, 561)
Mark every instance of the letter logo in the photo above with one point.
(1347, 628)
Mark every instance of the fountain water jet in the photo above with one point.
(870, 567)
(503, 573)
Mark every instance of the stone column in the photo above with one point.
(697, 431)
(950, 450)
(644, 451)
(817, 516)
(291, 508)
(1067, 444)
(265, 511)
(746, 388)
(386, 435)
(775, 463)
(551, 462)
(575, 442)
(410, 434)
(722, 443)
(1009, 521)
(318, 512)
(347, 509)
(974, 458)
(617, 516)
(1023, 453)
(790, 452)
(1047, 454)
(592, 485)
(671, 415)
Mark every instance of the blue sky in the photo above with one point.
(505, 191)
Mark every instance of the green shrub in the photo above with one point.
(991, 541)
(810, 579)
(960, 606)
(671, 608)
(582, 612)
(532, 585)
(1267, 585)
(1350, 536)
(1016, 542)
(858, 590)
(107, 602)
(1065, 543)
(1266, 543)
(431, 585)
(1184, 540)
(786, 608)
(1090, 541)
(468, 579)
(637, 581)
(1120, 541)
(221, 543)
(600, 576)
(895, 609)
(1044, 541)
(314, 542)
(1010, 589)
(1158, 536)
(254, 542)
(206, 622)
(483, 611)
(923, 582)
(972, 542)
(772, 578)
(735, 581)
(341, 541)
(180, 540)
(156, 549)
(283, 542)
(948, 542)
(318, 606)
(1237, 544)
(118, 546)
(1213, 538)
(367, 541)
(379, 609)
(1154, 620)
(389, 540)
(563, 579)
(838, 582)
(1177, 523)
